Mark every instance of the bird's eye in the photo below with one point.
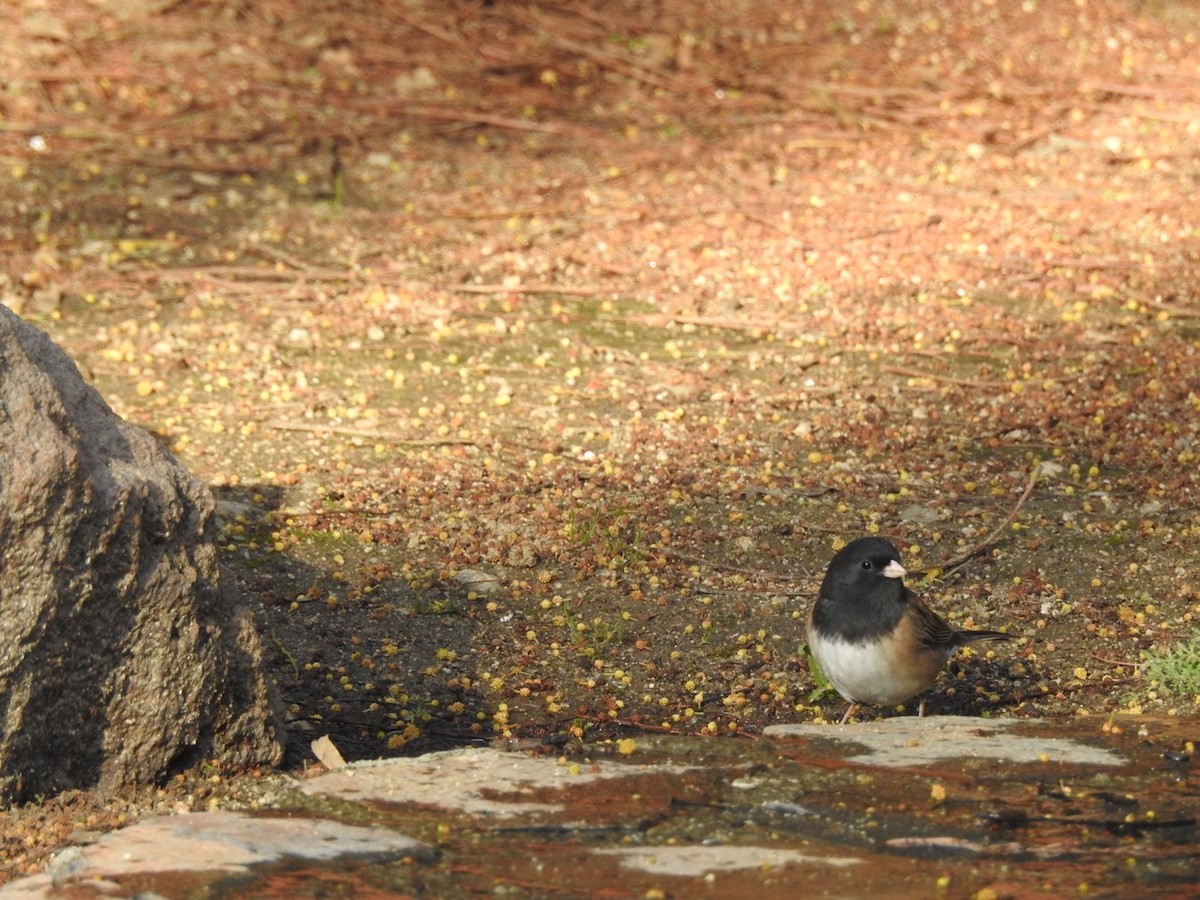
(866, 564)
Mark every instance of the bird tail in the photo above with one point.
(963, 639)
(970, 637)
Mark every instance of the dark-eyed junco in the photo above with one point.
(876, 641)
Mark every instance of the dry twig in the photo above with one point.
(723, 567)
(373, 435)
(946, 379)
(582, 291)
(1179, 312)
(952, 564)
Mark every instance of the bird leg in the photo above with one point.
(921, 708)
(852, 708)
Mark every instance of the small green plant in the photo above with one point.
(632, 42)
(579, 529)
(1176, 669)
(618, 542)
(606, 633)
(287, 654)
(823, 687)
(426, 605)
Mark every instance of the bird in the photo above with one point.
(875, 640)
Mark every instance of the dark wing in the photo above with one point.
(932, 630)
(936, 633)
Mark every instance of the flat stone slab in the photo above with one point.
(477, 781)
(692, 862)
(916, 741)
(212, 841)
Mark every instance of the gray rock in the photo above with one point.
(697, 862)
(918, 514)
(122, 660)
(920, 741)
(211, 841)
(465, 780)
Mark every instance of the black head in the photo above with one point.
(863, 590)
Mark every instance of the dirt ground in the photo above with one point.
(541, 355)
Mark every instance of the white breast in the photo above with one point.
(865, 674)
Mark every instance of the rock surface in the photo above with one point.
(896, 742)
(121, 658)
(216, 842)
(1001, 807)
(464, 780)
